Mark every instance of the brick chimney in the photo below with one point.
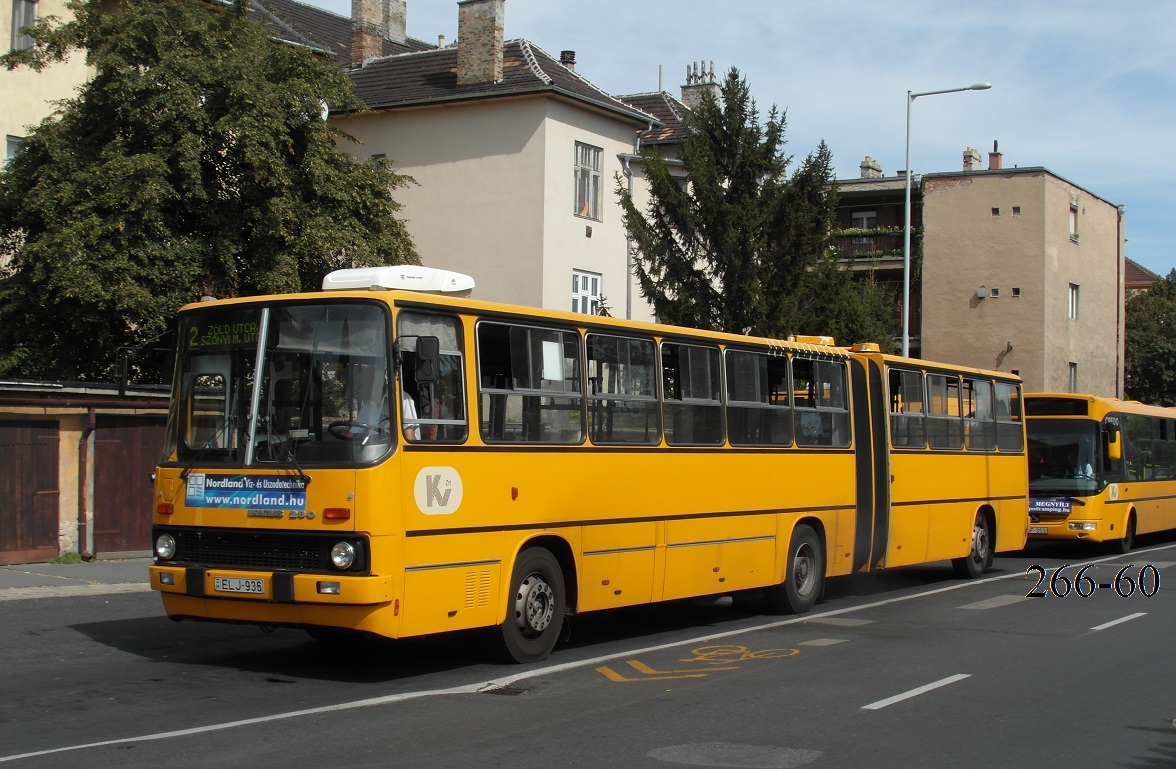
(871, 169)
(568, 59)
(994, 159)
(372, 22)
(479, 41)
(699, 81)
(971, 159)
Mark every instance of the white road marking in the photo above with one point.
(822, 642)
(995, 602)
(530, 673)
(840, 621)
(916, 692)
(1119, 621)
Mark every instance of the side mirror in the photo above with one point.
(1114, 445)
(428, 358)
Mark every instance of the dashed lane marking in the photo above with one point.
(1120, 621)
(916, 692)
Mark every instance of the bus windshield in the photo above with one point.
(321, 396)
(1063, 457)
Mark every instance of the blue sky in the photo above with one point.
(1085, 89)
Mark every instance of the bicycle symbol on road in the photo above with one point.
(730, 654)
(716, 658)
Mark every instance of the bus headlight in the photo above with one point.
(343, 555)
(165, 547)
(1084, 526)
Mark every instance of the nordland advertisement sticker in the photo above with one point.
(257, 492)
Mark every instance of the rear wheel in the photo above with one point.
(1124, 545)
(804, 575)
(975, 562)
(535, 609)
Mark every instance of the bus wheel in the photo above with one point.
(804, 575)
(974, 563)
(535, 608)
(1124, 545)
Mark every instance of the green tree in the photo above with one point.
(744, 246)
(195, 162)
(1150, 342)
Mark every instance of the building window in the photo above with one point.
(1073, 308)
(1016, 293)
(24, 14)
(1073, 377)
(1074, 222)
(12, 146)
(995, 211)
(863, 220)
(994, 293)
(585, 292)
(587, 181)
(1016, 210)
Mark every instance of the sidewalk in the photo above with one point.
(63, 580)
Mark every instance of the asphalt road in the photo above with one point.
(910, 668)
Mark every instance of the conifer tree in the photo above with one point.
(744, 247)
(196, 161)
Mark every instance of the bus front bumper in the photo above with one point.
(271, 587)
(1093, 531)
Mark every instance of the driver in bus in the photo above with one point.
(408, 413)
(1075, 468)
(373, 398)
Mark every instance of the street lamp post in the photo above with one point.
(906, 216)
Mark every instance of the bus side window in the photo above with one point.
(691, 385)
(758, 413)
(1010, 433)
(980, 418)
(432, 405)
(530, 387)
(822, 411)
(944, 426)
(906, 409)
(622, 390)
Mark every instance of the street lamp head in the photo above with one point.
(980, 86)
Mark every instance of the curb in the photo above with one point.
(71, 591)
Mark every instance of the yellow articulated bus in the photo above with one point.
(408, 462)
(1100, 469)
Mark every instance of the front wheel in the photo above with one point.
(975, 562)
(535, 608)
(1124, 545)
(804, 574)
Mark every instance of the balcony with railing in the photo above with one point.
(875, 247)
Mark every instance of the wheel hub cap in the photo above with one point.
(534, 604)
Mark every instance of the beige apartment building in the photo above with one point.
(516, 155)
(27, 96)
(1014, 269)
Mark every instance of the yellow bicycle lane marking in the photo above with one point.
(723, 656)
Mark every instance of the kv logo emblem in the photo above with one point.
(437, 490)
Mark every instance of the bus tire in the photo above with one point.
(535, 609)
(975, 562)
(1124, 545)
(804, 574)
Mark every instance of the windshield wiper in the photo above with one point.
(289, 447)
(220, 431)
